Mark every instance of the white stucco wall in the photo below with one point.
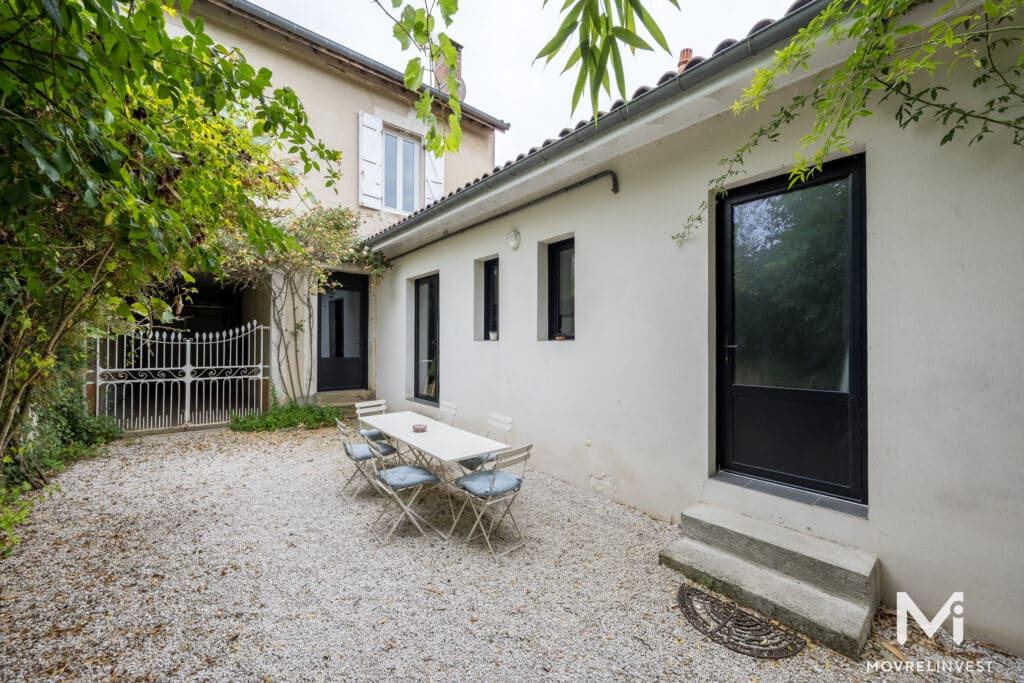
(627, 408)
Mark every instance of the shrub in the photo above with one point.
(14, 509)
(63, 431)
(288, 415)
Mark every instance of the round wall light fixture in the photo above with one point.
(512, 239)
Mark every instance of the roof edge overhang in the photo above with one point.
(319, 44)
(471, 205)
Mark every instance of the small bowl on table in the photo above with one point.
(419, 428)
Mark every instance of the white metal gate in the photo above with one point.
(167, 380)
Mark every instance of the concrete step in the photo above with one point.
(843, 571)
(343, 398)
(835, 621)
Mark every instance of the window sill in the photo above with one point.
(423, 401)
(792, 493)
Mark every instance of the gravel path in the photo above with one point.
(219, 556)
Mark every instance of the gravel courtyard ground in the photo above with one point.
(223, 556)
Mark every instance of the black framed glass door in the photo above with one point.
(342, 340)
(791, 332)
(426, 360)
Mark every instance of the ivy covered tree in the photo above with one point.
(123, 152)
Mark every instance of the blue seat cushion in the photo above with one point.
(371, 434)
(479, 483)
(358, 451)
(473, 463)
(398, 478)
(385, 449)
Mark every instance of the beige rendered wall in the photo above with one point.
(333, 100)
(627, 408)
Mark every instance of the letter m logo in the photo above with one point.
(954, 605)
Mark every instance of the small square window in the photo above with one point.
(491, 300)
(562, 289)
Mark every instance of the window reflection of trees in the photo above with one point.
(791, 288)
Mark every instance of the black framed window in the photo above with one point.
(562, 289)
(426, 360)
(491, 299)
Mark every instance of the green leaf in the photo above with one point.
(630, 38)
(650, 24)
(907, 28)
(52, 9)
(573, 58)
(448, 10)
(414, 74)
(555, 44)
(620, 74)
(581, 81)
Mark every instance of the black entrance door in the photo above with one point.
(342, 333)
(791, 332)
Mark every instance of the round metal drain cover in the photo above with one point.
(737, 629)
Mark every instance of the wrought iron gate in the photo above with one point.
(168, 380)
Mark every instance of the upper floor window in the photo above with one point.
(395, 173)
(562, 289)
(400, 166)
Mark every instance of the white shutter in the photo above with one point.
(433, 177)
(371, 161)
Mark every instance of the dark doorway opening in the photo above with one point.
(342, 339)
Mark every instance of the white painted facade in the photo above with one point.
(627, 408)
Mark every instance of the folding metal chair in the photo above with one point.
(499, 484)
(394, 482)
(446, 412)
(366, 408)
(360, 454)
(499, 427)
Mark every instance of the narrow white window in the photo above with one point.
(401, 172)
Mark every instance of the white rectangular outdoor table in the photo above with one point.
(441, 441)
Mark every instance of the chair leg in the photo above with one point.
(487, 527)
(457, 516)
(359, 470)
(348, 483)
(405, 512)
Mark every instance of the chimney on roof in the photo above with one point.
(441, 73)
(684, 58)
